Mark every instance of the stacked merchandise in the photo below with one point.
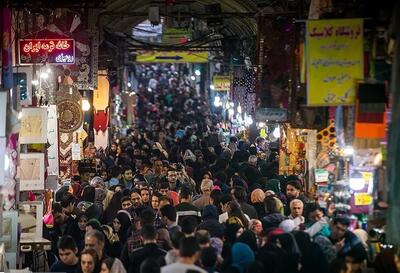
(370, 124)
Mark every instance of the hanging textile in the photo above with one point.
(101, 139)
(100, 120)
(101, 95)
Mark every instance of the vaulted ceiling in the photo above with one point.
(123, 15)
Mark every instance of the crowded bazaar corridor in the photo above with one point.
(181, 136)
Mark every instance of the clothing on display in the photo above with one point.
(102, 93)
(101, 139)
(100, 120)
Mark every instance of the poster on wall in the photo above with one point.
(334, 57)
(31, 172)
(33, 125)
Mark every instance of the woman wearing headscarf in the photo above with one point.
(257, 200)
(231, 234)
(210, 221)
(79, 237)
(287, 242)
(273, 217)
(76, 229)
(272, 185)
(121, 223)
(93, 224)
(100, 195)
(249, 238)
(312, 258)
(242, 256)
(88, 194)
(112, 209)
(98, 183)
(112, 265)
(236, 215)
(115, 246)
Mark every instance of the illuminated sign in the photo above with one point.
(172, 57)
(51, 51)
(222, 83)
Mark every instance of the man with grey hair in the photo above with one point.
(296, 211)
(252, 160)
(95, 239)
(204, 199)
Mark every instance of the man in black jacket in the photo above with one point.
(150, 249)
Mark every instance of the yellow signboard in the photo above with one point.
(362, 199)
(222, 83)
(173, 57)
(334, 57)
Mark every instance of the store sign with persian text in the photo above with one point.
(271, 114)
(51, 51)
(334, 58)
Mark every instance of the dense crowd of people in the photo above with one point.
(173, 196)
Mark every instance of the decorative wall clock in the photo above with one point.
(70, 116)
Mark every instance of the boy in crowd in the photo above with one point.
(67, 250)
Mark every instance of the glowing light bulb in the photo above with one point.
(129, 84)
(248, 120)
(276, 133)
(193, 78)
(212, 87)
(197, 72)
(348, 151)
(44, 75)
(85, 104)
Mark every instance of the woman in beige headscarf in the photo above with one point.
(257, 200)
(112, 265)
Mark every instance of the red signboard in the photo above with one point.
(51, 51)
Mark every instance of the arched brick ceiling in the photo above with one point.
(116, 16)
